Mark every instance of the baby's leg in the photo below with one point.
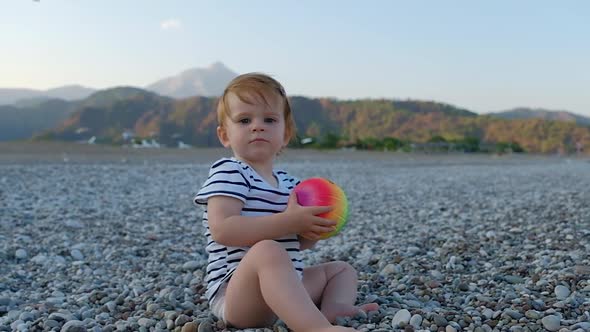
(266, 282)
(333, 287)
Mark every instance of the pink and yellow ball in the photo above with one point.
(323, 192)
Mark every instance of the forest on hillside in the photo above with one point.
(125, 115)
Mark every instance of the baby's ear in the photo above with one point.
(222, 135)
(287, 138)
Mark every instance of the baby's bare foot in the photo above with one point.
(333, 310)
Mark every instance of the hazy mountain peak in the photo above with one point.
(66, 92)
(217, 64)
(110, 95)
(541, 113)
(69, 92)
(209, 82)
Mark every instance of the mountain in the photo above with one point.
(67, 92)
(110, 113)
(31, 116)
(31, 102)
(9, 96)
(539, 113)
(206, 82)
(23, 122)
(104, 98)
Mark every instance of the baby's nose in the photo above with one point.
(257, 125)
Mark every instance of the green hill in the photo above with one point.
(108, 114)
(17, 123)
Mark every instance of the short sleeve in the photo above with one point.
(226, 178)
(294, 180)
(290, 181)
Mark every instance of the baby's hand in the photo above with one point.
(312, 236)
(303, 220)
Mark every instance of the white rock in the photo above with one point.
(402, 316)
(416, 321)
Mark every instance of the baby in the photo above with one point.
(255, 228)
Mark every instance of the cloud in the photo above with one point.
(171, 24)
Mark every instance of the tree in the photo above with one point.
(392, 143)
(329, 141)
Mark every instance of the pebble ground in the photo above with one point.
(442, 243)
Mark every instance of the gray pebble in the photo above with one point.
(181, 320)
(189, 327)
(21, 254)
(76, 254)
(193, 265)
(551, 322)
(73, 326)
(205, 326)
(26, 317)
(561, 292)
(451, 251)
(439, 320)
(146, 322)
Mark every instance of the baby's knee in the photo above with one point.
(269, 250)
(344, 267)
(267, 245)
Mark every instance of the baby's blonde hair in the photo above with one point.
(254, 88)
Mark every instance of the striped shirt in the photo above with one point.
(234, 178)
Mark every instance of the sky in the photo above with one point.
(480, 55)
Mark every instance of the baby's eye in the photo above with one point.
(270, 120)
(244, 121)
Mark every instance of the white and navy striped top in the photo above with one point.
(234, 178)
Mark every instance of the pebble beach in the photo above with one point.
(109, 240)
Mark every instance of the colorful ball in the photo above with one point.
(323, 192)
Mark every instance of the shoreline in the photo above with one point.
(74, 153)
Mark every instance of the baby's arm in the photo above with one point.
(230, 228)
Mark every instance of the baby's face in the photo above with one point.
(254, 131)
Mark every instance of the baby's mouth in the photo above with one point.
(258, 140)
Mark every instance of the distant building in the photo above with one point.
(81, 130)
(307, 140)
(145, 143)
(182, 145)
(128, 135)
